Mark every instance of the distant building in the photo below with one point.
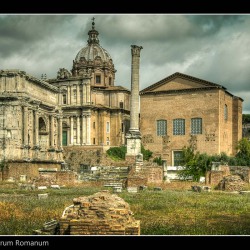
(182, 110)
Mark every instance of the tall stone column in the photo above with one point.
(71, 130)
(25, 125)
(88, 130)
(83, 130)
(78, 130)
(134, 135)
(51, 130)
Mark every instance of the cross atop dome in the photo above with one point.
(93, 23)
(93, 34)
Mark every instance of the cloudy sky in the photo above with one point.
(215, 48)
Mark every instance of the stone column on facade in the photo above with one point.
(134, 135)
(36, 128)
(83, 130)
(84, 90)
(71, 130)
(88, 94)
(68, 95)
(51, 131)
(88, 129)
(59, 119)
(71, 95)
(78, 130)
(25, 125)
(78, 95)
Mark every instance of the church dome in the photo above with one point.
(95, 62)
(93, 50)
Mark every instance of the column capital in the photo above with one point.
(135, 50)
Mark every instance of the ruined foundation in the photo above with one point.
(99, 214)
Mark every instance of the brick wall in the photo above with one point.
(16, 169)
(99, 214)
(214, 177)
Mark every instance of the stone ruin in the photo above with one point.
(102, 213)
(231, 183)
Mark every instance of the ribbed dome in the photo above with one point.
(91, 51)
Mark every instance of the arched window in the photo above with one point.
(225, 112)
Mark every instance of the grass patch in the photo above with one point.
(167, 212)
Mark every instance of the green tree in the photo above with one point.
(195, 164)
(243, 155)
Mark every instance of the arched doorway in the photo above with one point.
(43, 134)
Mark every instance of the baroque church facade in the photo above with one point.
(82, 107)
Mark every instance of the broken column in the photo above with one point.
(134, 136)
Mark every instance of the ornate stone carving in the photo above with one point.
(63, 74)
(135, 50)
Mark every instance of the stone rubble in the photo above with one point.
(102, 213)
(231, 183)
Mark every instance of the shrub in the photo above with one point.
(147, 154)
(117, 153)
(158, 160)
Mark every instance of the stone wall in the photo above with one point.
(243, 172)
(31, 170)
(214, 177)
(148, 174)
(99, 214)
(154, 174)
(55, 177)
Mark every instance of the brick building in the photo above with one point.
(182, 110)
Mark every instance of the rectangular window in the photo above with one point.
(74, 93)
(110, 80)
(107, 127)
(94, 125)
(64, 138)
(177, 158)
(178, 127)
(196, 126)
(98, 79)
(161, 127)
(64, 99)
(93, 141)
(107, 140)
(121, 105)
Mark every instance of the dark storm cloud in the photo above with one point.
(19, 32)
(210, 47)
